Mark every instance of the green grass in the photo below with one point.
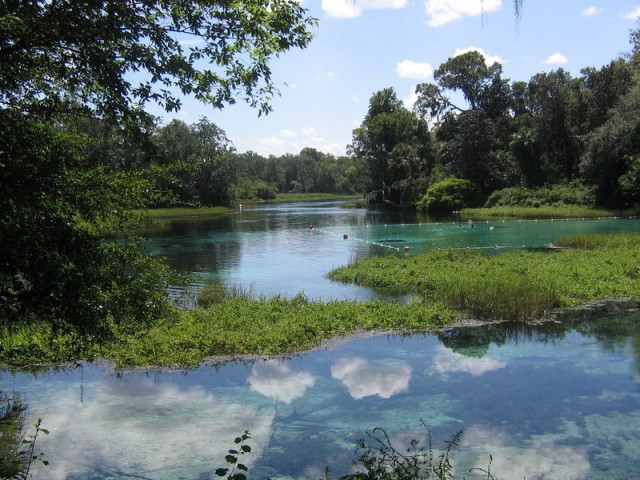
(275, 326)
(310, 197)
(536, 213)
(518, 285)
(160, 213)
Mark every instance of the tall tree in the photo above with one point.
(107, 60)
(55, 52)
(383, 141)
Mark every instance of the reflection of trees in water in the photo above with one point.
(611, 329)
(475, 341)
(12, 415)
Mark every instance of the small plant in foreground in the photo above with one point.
(383, 461)
(235, 471)
(30, 443)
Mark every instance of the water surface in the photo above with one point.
(272, 250)
(558, 401)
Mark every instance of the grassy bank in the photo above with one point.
(167, 213)
(311, 197)
(517, 285)
(276, 326)
(498, 213)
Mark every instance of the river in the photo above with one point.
(556, 401)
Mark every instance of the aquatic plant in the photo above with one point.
(542, 212)
(216, 292)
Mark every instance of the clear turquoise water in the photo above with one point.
(272, 249)
(560, 401)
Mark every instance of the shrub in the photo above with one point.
(573, 193)
(448, 195)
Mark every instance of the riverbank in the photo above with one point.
(449, 285)
(544, 213)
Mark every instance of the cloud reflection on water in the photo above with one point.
(162, 430)
(542, 458)
(448, 361)
(276, 380)
(364, 379)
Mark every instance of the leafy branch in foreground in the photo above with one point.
(30, 443)
(236, 469)
(379, 458)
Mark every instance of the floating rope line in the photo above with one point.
(349, 236)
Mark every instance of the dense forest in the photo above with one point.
(501, 140)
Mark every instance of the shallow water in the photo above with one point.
(272, 250)
(559, 401)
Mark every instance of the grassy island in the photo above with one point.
(447, 285)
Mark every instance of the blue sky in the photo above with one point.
(363, 46)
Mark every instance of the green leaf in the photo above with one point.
(221, 472)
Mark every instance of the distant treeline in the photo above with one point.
(553, 130)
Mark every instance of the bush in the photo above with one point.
(573, 193)
(448, 195)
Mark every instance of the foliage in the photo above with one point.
(213, 293)
(75, 154)
(53, 51)
(395, 146)
(538, 213)
(275, 326)
(235, 472)
(54, 267)
(12, 414)
(30, 444)
(382, 460)
(559, 195)
(447, 196)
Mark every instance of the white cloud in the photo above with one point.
(287, 133)
(139, 424)
(410, 100)
(310, 131)
(416, 70)
(539, 458)
(446, 361)
(441, 12)
(591, 11)
(633, 15)
(488, 59)
(556, 59)
(365, 379)
(354, 8)
(276, 380)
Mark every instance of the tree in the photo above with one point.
(114, 57)
(470, 74)
(471, 151)
(65, 60)
(394, 143)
